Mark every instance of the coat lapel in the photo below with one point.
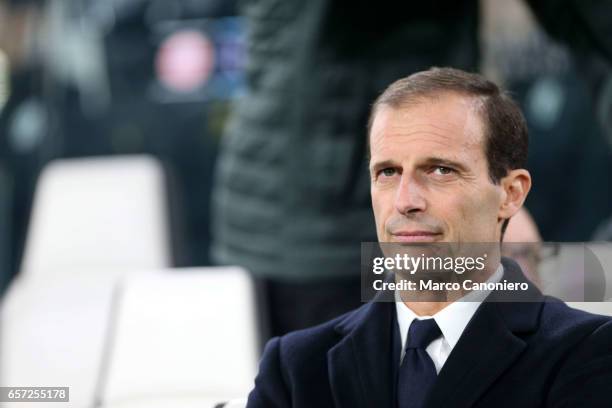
(490, 344)
(486, 349)
(360, 366)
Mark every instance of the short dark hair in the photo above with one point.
(506, 138)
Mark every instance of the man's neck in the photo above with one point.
(426, 308)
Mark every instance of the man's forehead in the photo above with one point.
(447, 120)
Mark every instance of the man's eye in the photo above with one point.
(443, 171)
(388, 172)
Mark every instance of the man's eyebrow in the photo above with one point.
(440, 161)
(430, 161)
(382, 165)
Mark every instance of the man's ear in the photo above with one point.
(515, 187)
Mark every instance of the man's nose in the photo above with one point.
(409, 197)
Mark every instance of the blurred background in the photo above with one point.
(183, 135)
(90, 78)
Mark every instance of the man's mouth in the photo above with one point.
(415, 236)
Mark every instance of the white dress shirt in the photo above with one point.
(452, 321)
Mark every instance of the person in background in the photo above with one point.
(524, 244)
(24, 127)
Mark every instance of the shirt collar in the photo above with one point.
(453, 319)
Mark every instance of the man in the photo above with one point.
(447, 165)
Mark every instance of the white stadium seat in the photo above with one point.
(97, 213)
(182, 339)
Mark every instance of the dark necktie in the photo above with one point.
(417, 373)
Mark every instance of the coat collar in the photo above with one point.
(363, 365)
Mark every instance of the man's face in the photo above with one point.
(429, 174)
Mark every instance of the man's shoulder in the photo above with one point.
(562, 322)
(559, 312)
(315, 341)
(296, 367)
(324, 330)
(585, 371)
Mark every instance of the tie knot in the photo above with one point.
(422, 332)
